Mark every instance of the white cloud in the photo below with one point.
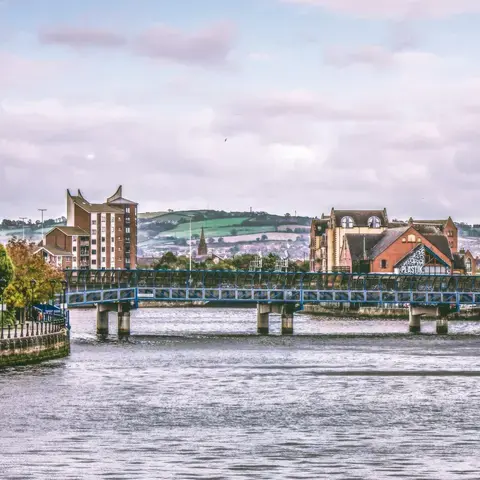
(395, 8)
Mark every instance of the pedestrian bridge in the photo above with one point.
(90, 287)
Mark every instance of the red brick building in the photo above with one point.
(97, 235)
(419, 247)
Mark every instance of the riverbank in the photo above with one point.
(34, 349)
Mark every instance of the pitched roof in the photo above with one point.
(360, 217)
(441, 243)
(428, 228)
(388, 237)
(95, 207)
(431, 222)
(359, 244)
(70, 231)
(56, 251)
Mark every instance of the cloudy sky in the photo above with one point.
(280, 105)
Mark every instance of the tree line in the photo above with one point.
(170, 261)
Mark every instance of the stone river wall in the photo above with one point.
(21, 351)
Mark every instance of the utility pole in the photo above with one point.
(23, 226)
(42, 210)
(190, 243)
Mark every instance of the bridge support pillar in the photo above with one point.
(123, 319)
(287, 320)
(442, 326)
(263, 312)
(414, 322)
(102, 319)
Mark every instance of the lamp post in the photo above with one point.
(42, 210)
(190, 243)
(3, 285)
(53, 284)
(33, 284)
(23, 227)
(64, 289)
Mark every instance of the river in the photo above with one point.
(194, 395)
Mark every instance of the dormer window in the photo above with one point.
(374, 222)
(347, 222)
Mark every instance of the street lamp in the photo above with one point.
(23, 226)
(64, 288)
(33, 284)
(53, 284)
(3, 285)
(42, 210)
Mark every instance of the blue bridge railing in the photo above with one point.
(86, 287)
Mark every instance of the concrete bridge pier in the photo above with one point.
(415, 314)
(102, 319)
(442, 326)
(263, 312)
(287, 320)
(123, 319)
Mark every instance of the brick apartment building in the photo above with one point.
(97, 235)
(364, 241)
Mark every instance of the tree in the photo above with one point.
(6, 266)
(166, 261)
(264, 238)
(221, 240)
(211, 240)
(233, 232)
(29, 267)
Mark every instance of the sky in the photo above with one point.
(278, 105)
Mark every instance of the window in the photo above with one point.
(347, 222)
(103, 249)
(94, 222)
(103, 240)
(374, 222)
(74, 249)
(94, 252)
(411, 238)
(383, 263)
(468, 265)
(404, 240)
(94, 231)
(127, 229)
(94, 241)
(104, 259)
(113, 239)
(94, 262)
(113, 249)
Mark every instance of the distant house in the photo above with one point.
(398, 250)
(327, 234)
(464, 263)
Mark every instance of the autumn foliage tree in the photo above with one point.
(6, 267)
(28, 267)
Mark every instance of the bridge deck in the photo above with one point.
(99, 286)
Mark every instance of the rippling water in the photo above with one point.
(193, 395)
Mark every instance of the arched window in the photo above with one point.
(347, 222)
(468, 265)
(374, 222)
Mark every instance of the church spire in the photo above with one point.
(202, 245)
